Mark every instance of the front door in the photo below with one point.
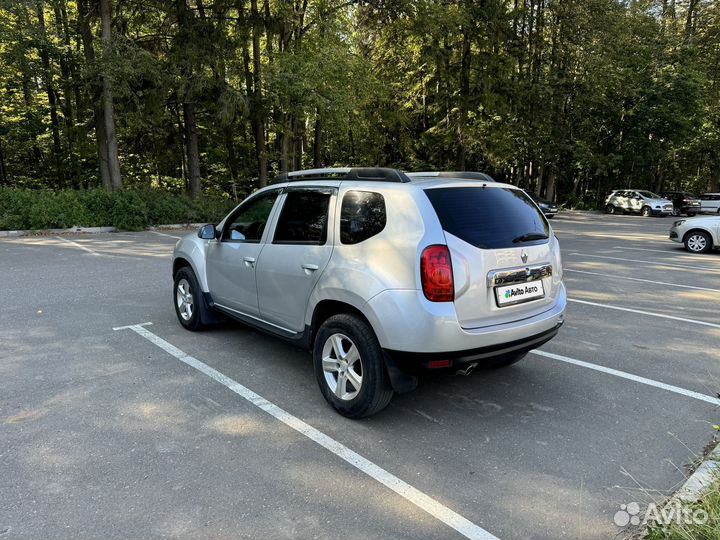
(231, 260)
(291, 264)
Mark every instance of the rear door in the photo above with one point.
(290, 264)
(499, 243)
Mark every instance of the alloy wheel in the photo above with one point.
(184, 299)
(342, 367)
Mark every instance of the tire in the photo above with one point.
(691, 214)
(186, 298)
(505, 361)
(676, 212)
(645, 211)
(697, 242)
(610, 209)
(348, 338)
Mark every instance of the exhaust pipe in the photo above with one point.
(468, 369)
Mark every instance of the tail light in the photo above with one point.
(436, 274)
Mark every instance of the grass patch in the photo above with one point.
(129, 209)
(693, 529)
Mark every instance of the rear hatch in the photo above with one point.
(505, 258)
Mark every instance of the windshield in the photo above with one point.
(489, 218)
(649, 195)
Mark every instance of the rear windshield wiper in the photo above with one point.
(528, 237)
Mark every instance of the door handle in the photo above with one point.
(310, 267)
(249, 261)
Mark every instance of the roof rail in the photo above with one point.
(371, 174)
(462, 175)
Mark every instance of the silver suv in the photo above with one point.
(380, 274)
(645, 203)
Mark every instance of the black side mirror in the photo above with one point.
(207, 232)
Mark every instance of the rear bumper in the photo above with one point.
(413, 363)
(407, 324)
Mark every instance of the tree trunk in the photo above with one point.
(193, 153)
(257, 120)
(464, 99)
(87, 40)
(317, 141)
(108, 115)
(49, 87)
(3, 168)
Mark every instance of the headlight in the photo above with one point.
(679, 222)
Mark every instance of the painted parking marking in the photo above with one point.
(167, 235)
(439, 511)
(77, 245)
(626, 278)
(676, 251)
(655, 263)
(643, 312)
(629, 376)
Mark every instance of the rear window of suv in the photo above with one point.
(489, 218)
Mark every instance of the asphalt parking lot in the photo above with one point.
(111, 434)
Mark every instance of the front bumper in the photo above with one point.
(674, 236)
(661, 212)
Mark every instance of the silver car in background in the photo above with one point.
(638, 201)
(380, 275)
(698, 234)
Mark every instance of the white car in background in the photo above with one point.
(710, 203)
(638, 201)
(699, 234)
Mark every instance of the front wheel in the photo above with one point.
(691, 214)
(698, 242)
(187, 296)
(350, 368)
(645, 212)
(610, 209)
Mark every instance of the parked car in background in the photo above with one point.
(684, 202)
(710, 203)
(699, 234)
(548, 208)
(638, 201)
(380, 275)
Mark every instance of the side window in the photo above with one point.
(248, 222)
(362, 216)
(304, 218)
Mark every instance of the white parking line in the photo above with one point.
(641, 312)
(465, 527)
(84, 248)
(630, 376)
(676, 252)
(626, 278)
(168, 235)
(656, 263)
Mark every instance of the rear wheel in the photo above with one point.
(610, 209)
(691, 214)
(187, 296)
(350, 368)
(646, 211)
(697, 242)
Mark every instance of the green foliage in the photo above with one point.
(127, 209)
(567, 96)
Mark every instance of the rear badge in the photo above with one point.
(524, 256)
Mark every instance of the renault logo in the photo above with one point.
(524, 256)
